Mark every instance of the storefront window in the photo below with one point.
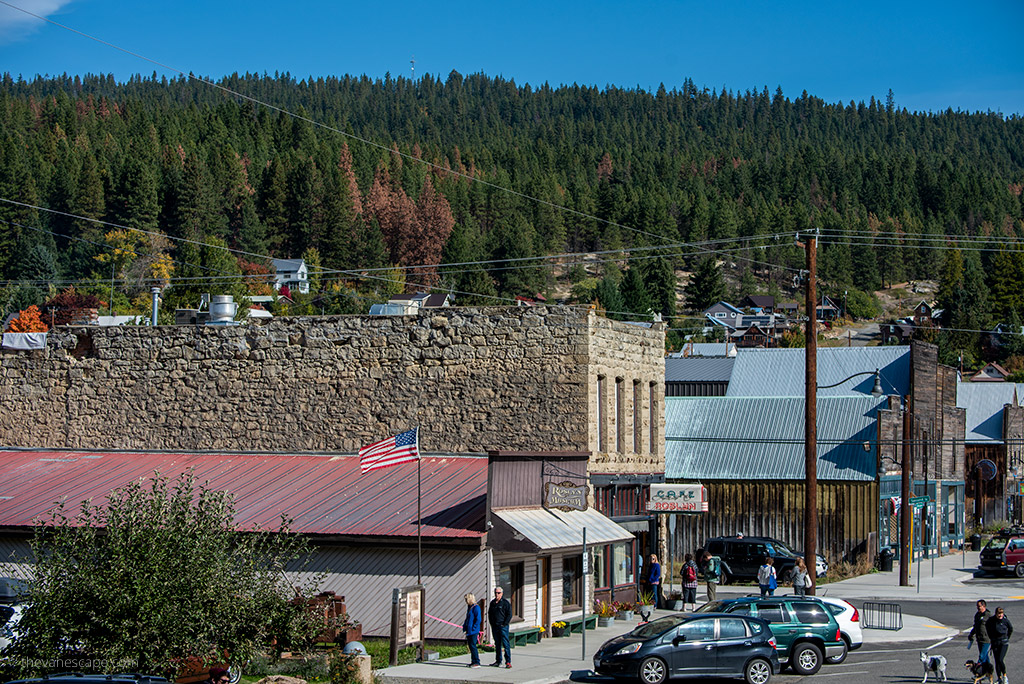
(572, 582)
(622, 563)
(599, 554)
(510, 578)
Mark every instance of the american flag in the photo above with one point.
(401, 448)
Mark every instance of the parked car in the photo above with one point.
(1004, 553)
(742, 556)
(848, 618)
(806, 633)
(9, 616)
(692, 646)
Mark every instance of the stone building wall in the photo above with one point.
(472, 379)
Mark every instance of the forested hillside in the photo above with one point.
(514, 171)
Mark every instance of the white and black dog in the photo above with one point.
(933, 664)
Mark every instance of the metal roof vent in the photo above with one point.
(222, 310)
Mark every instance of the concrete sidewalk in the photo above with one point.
(555, 660)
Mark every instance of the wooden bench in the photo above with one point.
(575, 625)
(522, 637)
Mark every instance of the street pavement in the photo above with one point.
(886, 655)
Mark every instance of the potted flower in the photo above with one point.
(645, 602)
(675, 601)
(558, 629)
(605, 614)
(624, 611)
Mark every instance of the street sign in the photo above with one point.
(919, 500)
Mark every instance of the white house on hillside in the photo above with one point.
(292, 273)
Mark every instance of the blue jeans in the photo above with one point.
(983, 652)
(473, 653)
(501, 642)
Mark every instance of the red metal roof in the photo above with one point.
(321, 494)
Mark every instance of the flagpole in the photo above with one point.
(419, 514)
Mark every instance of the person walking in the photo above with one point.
(999, 632)
(499, 615)
(979, 632)
(767, 580)
(472, 629)
(689, 575)
(801, 578)
(654, 580)
(710, 568)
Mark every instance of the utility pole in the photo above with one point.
(905, 511)
(811, 414)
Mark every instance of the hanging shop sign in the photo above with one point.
(566, 496)
(676, 498)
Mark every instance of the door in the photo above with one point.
(777, 616)
(543, 605)
(693, 652)
(732, 647)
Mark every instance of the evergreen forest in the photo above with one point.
(490, 190)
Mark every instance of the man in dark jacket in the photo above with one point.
(980, 631)
(499, 614)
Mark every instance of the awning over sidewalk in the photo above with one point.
(540, 529)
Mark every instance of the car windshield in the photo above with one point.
(998, 543)
(777, 548)
(658, 627)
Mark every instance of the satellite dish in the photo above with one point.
(987, 469)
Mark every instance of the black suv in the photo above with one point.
(742, 556)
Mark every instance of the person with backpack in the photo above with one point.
(711, 574)
(689, 575)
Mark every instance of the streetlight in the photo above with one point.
(811, 457)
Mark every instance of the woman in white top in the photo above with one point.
(766, 577)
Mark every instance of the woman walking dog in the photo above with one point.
(999, 631)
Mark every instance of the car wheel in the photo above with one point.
(758, 671)
(1019, 570)
(836, 659)
(653, 671)
(235, 674)
(806, 658)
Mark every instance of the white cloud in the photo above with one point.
(16, 25)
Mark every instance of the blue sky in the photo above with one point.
(933, 55)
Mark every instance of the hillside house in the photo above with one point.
(291, 273)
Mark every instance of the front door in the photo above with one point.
(544, 591)
(694, 650)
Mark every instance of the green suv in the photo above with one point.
(805, 630)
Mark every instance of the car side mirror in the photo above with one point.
(678, 640)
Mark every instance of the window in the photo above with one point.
(698, 630)
(637, 421)
(810, 614)
(652, 414)
(622, 563)
(510, 578)
(719, 314)
(620, 416)
(740, 609)
(772, 612)
(572, 581)
(732, 628)
(601, 418)
(600, 570)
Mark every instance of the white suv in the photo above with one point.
(848, 618)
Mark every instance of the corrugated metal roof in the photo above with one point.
(321, 494)
(698, 369)
(780, 372)
(705, 349)
(560, 529)
(984, 403)
(762, 438)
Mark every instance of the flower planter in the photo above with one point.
(558, 631)
(645, 610)
(605, 621)
(624, 615)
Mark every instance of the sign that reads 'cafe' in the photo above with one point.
(566, 496)
(676, 498)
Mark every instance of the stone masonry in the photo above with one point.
(472, 378)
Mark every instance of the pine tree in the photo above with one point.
(705, 286)
(634, 293)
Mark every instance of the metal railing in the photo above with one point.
(882, 616)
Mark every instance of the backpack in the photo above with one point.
(690, 574)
